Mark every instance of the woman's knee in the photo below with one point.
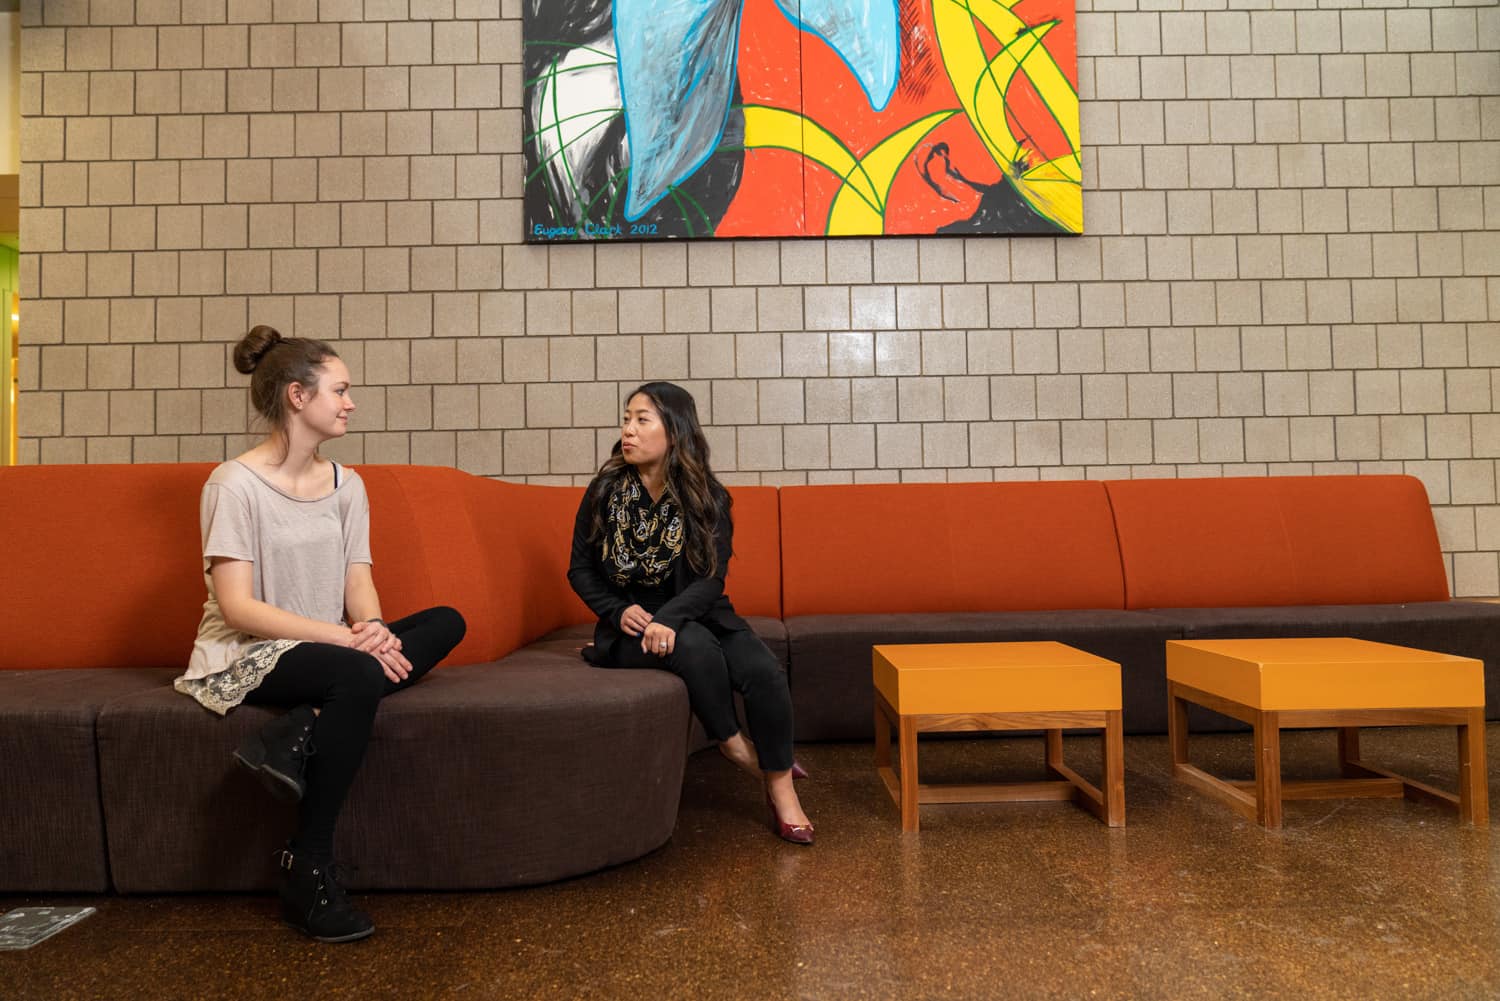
(695, 642)
(452, 623)
(356, 675)
(695, 651)
(755, 668)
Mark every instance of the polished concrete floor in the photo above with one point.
(1352, 899)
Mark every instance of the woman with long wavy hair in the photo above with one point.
(651, 545)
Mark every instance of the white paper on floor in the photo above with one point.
(24, 927)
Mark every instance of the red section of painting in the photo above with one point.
(776, 57)
(769, 201)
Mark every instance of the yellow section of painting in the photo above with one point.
(859, 206)
(1053, 188)
(852, 216)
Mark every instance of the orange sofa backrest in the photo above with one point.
(1282, 540)
(959, 547)
(106, 569)
(424, 540)
(102, 566)
(109, 559)
(754, 581)
(524, 532)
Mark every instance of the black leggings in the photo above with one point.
(348, 685)
(714, 667)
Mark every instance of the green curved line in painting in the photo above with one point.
(1034, 34)
(858, 165)
(1031, 53)
(708, 223)
(567, 167)
(790, 149)
(570, 46)
(568, 69)
(614, 195)
(682, 210)
(909, 135)
(557, 152)
(614, 113)
(589, 208)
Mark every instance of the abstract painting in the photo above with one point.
(671, 119)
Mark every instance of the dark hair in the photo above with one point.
(273, 363)
(690, 481)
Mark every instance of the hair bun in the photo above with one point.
(253, 347)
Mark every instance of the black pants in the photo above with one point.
(348, 685)
(714, 667)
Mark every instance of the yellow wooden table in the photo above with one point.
(1346, 683)
(931, 687)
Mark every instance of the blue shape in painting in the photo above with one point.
(677, 70)
(864, 33)
(677, 62)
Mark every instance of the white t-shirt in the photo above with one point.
(301, 551)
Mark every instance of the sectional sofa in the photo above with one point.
(517, 763)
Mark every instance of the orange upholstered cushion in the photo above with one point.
(108, 571)
(1286, 540)
(101, 566)
(525, 533)
(947, 547)
(754, 580)
(426, 552)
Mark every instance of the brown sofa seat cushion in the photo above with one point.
(51, 827)
(833, 697)
(772, 632)
(533, 768)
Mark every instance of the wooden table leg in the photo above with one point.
(908, 751)
(1268, 769)
(1113, 785)
(1177, 725)
(1054, 750)
(1349, 752)
(882, 738)
(1473, 778)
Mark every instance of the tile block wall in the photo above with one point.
(1292, 262)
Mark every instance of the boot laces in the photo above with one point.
(331, 893)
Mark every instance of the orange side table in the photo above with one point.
(1346, 683)
(931, 687)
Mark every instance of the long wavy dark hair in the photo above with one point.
(690, 481)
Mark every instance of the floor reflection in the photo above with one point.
(1351, 899)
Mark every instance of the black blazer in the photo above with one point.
(694, 598)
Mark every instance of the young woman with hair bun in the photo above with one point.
(293, 618)
(651, 545)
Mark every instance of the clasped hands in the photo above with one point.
(376, 639)
(655, 638)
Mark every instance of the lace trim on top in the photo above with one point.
(223, 691)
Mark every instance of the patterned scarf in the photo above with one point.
(641, 539)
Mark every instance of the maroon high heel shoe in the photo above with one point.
(797, 834)
(798, 772)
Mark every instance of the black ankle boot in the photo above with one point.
(313, 902)
(279, 753)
